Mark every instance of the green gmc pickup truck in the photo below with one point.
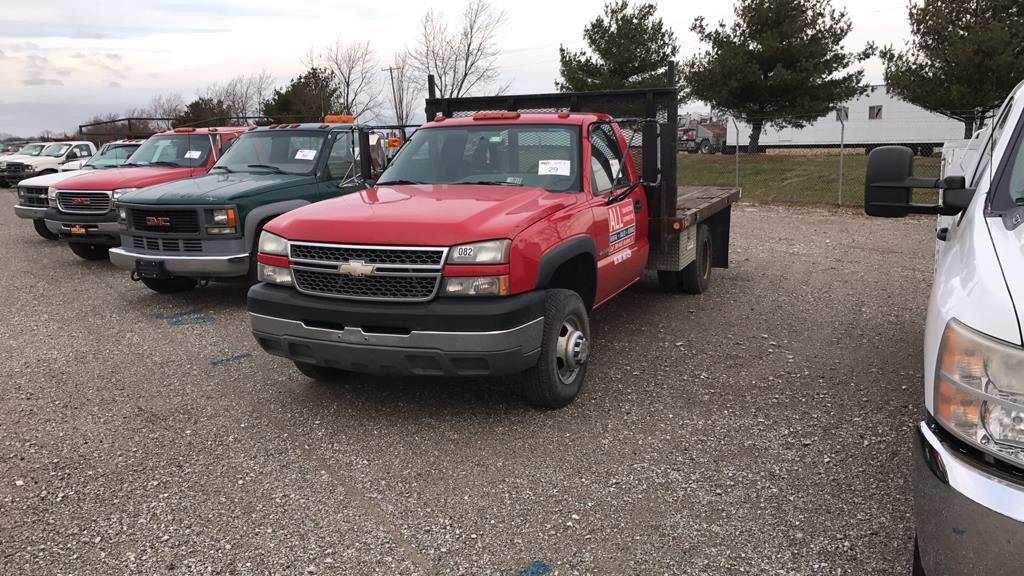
(177, 235)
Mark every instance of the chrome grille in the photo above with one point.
(15, 167)
(81, 202)
(167, 244)
(399, 273)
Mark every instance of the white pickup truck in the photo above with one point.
(32, 192)
(18, 167)
(969, 450)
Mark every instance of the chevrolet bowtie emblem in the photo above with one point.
(356, 268)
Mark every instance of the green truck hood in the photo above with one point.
(215, 188)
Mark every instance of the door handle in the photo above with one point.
(638, 206)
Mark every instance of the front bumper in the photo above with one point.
(228, 266)
(443, 337)
(969, 515)
(31, 212)
(98, 228)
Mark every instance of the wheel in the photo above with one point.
(696, 277)
(320, 373)
(88, 251)
(169, 285)
(42, 230)
(918, 566)
(565, 347)
(705, 147)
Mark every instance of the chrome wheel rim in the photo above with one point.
(572, 349)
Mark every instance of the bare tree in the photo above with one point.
(165, 106)
(405, 87)
(462, 61)
(356, 68)
(242, 95)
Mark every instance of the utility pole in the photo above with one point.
(394, 95)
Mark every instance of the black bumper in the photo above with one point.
(449, 337)
(438, 315)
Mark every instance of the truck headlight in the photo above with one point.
(475, 286)
(51, 195)
(272, 244)
(979, 391)
(489, 252)
(121, 192)
(274, 274)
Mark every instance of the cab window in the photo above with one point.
(605, 160)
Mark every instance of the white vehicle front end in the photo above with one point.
(969, 451)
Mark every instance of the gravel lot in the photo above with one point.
(763, 428)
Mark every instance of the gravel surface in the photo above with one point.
(762, 428)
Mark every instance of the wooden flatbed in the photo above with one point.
(698, 203)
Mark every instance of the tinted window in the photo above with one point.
(545, 156)
(186, 150)
(292, 152)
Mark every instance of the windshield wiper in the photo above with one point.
(398, 182)
(224, 168)
(131, 164)
(489, 183)
(274, 169)
(165, 163)
(620, 196)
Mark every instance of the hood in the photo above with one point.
(16, 158)
(421, 215)
(47, 180)
(127, 177)
(216, 188)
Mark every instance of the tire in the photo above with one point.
(320, 373)
(88, 251)
(918, 566)
(696, 277)
(169, 285)
(42, 230)
(705, 147)
(558, 376)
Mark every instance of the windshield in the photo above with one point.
(546, 156)
(182, 150)
(56, 150)
(291, 152)
(112, 155)
(32, 150)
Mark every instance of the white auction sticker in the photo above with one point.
(305, 154)
(193, 154)
(554, 167)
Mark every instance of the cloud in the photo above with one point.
(2, 55)
(113, 84)
(63, 70)
(79, 55)
(40, 81)
(113, 57)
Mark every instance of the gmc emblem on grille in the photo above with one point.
(80, 202)
(158, 221)
(356, 268)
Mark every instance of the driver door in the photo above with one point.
(340, 174)
(620, 224)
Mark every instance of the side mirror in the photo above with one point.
(888, 166)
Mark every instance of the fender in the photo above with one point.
(261, 213)
(561, 254)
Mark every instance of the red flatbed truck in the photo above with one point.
(484, 246)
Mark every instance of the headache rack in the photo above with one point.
(651, 112)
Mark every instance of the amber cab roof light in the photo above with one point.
(339, 119)
(184, 130)
(496, 116)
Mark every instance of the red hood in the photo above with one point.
(128, 178)
(421, 215)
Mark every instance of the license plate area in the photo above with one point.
(78, 229)
(151, 269)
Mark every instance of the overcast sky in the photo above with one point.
(62, 61)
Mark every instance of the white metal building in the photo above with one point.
(877, 118)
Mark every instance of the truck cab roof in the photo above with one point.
(497, 118)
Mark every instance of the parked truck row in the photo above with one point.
(479, 249)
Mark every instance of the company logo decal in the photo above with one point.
(356, 268)
(621, 225)
(158, 221)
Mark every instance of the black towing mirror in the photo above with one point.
(889, 185)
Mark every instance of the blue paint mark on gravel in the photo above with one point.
(536, 568)
(232, 359)
(185, 317)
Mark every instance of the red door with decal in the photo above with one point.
(620, 228)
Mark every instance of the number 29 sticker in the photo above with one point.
(621, 226)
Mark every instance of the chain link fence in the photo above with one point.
(823, 163)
